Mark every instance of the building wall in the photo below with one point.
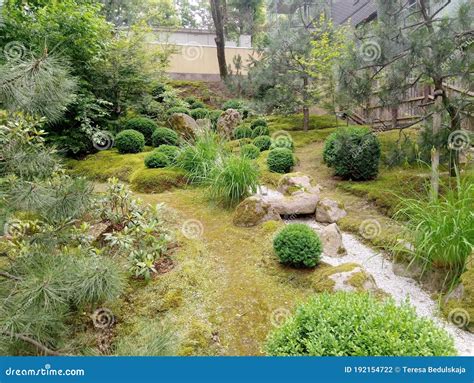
(356, 11)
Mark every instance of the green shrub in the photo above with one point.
(353, 153)
(357, 324)
(214, 116)
(199, 113)
(235, 179)
(441, 230)
(263, 142)
(164, 136)
(281, 160)
(130, 141)
(259, 122)
(283, 141)
(170, 151)
(250, 151)
(156, 160)
(157, 180)
(242, 131)
(143, 125)
(233, 104)
(194, 103)
(178, 109)
(298, 245)
(260, 131)
(198, 159)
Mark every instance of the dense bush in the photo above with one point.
(353, 153)
(283, 141)
(130, 141)
(156, 160)
(233, 104)
(298, 245)
(355, 324)
(199, 113)
(258, 122)
(170, 151)
(263, 142)
(250, 151)
(143, 125)
(164, 136)
(235, 179)
(194, 103)
(178, 109)
(214, 116)
(260, 131)
(281, 160)
(242, 131)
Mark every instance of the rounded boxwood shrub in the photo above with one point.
(178, 109)
(263, 142)
(199, 113)
(353, 153)
(242, 132)
(130, 141)
(298, 245)
(283, 142)
(260, 131)
(357, 324)
(164, 136)
(233, 104)
(281, 160)
(143, 125)
(250, 151)
(170, 151)
(258, 122)
(156, 160)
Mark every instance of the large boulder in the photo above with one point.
(329, 211)
(253, 211)
(332, 241)
(184, 125)
(296, 182)
(355, 280)
(298, 203)
(227, 122)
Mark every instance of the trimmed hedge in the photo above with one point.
(170, 151)
(353, 153)
(260, 131)
(242, 132)
(144, 125)
(281, 160)
(357, 324)
(250, 151)
(178, 109)
(263, 142)
(130, 141)
(298, 245)
(156, 160)
(164, 136)
(259, 122)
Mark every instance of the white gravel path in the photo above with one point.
(400, 288)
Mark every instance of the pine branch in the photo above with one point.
(9, 276)
(35, 343)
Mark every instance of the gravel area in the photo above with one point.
(400, 288)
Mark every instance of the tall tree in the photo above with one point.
(219, 16)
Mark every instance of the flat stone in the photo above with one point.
(254, 211)
(296, 182)
(297, 204)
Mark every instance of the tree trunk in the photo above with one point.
(437, 119)
(305, 104)
(218, 16)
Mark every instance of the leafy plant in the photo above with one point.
(242, 131)
(250, 151)
(263, 142)
(200, 113)
(130, 141)
(281, 160)
(298, 245)
(357, 324)
(156, 159)
(142, 264)
(171, 152)
(233, 180)
(145, 126)
(164, 136)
